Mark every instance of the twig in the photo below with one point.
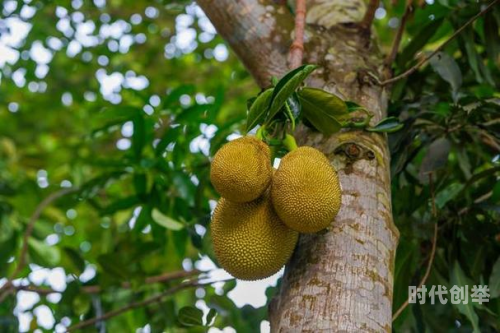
(166, 277)
(134, 305)
(433, 198)
(440, 47)
(367, 21)
(4, 290)
(433, 251)
(297, 48)
(399, 34)
(35, 289)
(150, 280)
(131, 306)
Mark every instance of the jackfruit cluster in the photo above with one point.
(256, 223)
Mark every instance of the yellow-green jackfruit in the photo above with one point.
(249, 240)
(241, 170)
(306, 191)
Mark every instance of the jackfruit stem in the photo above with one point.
(290, 143)
(274, 153)
(260, 133)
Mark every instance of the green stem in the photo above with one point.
(260, 133)
(290, 143)
(360, 124)
(290, 115)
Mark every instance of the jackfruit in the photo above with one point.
(241, 170)
(305, 190)
(250, 242)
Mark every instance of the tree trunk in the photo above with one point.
(340, 279)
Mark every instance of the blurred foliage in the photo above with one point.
(135, 96)
(451, 112)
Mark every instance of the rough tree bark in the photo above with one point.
(341, 279)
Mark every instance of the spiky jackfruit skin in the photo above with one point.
(250, 242)
(241, 170)
(306, 191)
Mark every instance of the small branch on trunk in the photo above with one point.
(297, 48)
(6, 288)
(134, 305)
(399, 35)
(367, 21)
(428, 57)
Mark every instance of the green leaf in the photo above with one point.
(43, 254)
(257, 112)
(190, 316)
(448, 69)
(449, 193)
(496, 193)
(113, 265)
(140, 183)
(143, 219)
(121, 204)
(352, 106)
(166, 221)
(81, 304)
(170, 136)
(481, 72)
(180, 241)
(387, 125)
(139, 136)
(322, 109)
(287, 86)
(491, 36)
(92, 187)
(7, 248)
(174, 96)
(210, 317)
(494, 282)
(435, 158)
(250, 102)
(459, 279)
(119, 112)
(229, 285)
(419, 41)
(6, 189)
(329, 103)
(75, 258)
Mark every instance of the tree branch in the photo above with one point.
(166, 277)
(297, 48)
(428, 57)
(5, 289)
(169, 276)
(134, 305)
(367, 21)
(399, 34)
